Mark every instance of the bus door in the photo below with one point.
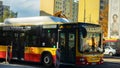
(67, 46)
(18, 46)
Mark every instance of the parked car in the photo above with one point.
(109, 51)
(111, 46)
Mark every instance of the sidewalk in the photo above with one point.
(114, 60)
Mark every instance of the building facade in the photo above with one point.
(88, 11)
(50, 7)
(1, 9)
(74, 10)
(79, 10)
(68, 7)
(47, 7)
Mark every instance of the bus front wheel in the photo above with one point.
(47, 60)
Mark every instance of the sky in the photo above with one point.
(25, 8)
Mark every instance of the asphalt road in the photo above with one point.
(109, 62)
(105, 65)
(15, 66)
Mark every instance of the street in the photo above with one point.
(19, 64)
(15, 66)
(110, 62)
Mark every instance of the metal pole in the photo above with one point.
(58, 38)
(6, 54)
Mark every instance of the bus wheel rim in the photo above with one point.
(46, 60)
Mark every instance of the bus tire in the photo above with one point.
(47, 60)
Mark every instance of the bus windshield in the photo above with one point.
(91, 43)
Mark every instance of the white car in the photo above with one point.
(109, 51)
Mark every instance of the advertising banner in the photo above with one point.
(114, 19)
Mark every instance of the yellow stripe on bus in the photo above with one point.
(4, 48)
(39, 50)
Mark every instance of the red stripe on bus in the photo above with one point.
(32, 57)
(2, 54)
(28, 57)
(36, 57)
(54, 59)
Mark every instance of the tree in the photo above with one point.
(104, 20)
(12, 14)
(1, 19)
(7, 14)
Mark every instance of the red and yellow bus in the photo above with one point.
(31, 39)
(34, 43)
(79, 43)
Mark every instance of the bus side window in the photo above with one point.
(62, 40)
(45, 38)
(53, 40)
(4, 38)
(38, 41)
(34, 40)
(49, 38)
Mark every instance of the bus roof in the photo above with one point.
(82, 24)
(1, 23)
(30, 24)
(35, 20)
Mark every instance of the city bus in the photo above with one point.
(30, 39)
(35, 43)
(80, 44)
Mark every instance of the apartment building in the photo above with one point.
(75, 10)
(68, 7)
(1, 8)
